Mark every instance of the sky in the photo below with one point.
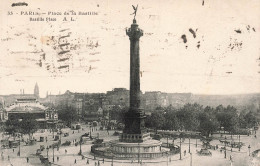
(188, 46)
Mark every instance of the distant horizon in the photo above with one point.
(50, 93)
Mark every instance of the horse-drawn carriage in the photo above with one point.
(204, 152)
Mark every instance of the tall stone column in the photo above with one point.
(134, 119)
(134, 34)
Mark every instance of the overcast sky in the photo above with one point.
(186, 47)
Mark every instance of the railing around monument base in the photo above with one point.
(104, 151)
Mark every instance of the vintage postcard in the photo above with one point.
(93, 82)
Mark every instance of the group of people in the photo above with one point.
(96, 163)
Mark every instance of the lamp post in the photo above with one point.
(196, 140)
(167, 142)
(180, 147)
(239, 146)
(112, 160)
(19, 152)
(249, 149)
(90, 131)
(225, 147)
(138, 152)
(80, 142)
(167, 158)
(52, 153)
(60, 135)
(189, 143)
(190, 159)
(47, 152)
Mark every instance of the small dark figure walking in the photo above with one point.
(98, 163)
(103, 161)
(87, 161)
(75, 162)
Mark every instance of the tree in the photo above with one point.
(188, 116)
(12, 127)
(208, 122)
(156, 120)
(171, 120)
(228, 118)
(68, 115)
(28, 125)
(251, 119)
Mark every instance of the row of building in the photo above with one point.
(87, 105)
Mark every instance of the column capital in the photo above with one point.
(134, 32)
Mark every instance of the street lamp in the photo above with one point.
(189, 143)
(90, 131)
(80, 142)
(196, 140)
(167, 158)
(47, 152)
(180, 147)
(190, 159)
(19, 152)
(138, 152)
(60, 135)
(112, 159)
(239, 146)
(53, 153)
(225, 147)
(167, 142)
(249, 149)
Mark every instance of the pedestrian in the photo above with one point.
(65, 151)
(98, 163)
(184, 152)
(83, 157)
(73, 132)
(13, 150)
(27, 159)
(8, 158)
(87, 161)
(95, 163)
(231, 157)
(103, 160)
(75, 162)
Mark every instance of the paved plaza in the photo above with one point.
(239, 158)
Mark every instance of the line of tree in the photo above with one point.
(28, 125)
(194, 117)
